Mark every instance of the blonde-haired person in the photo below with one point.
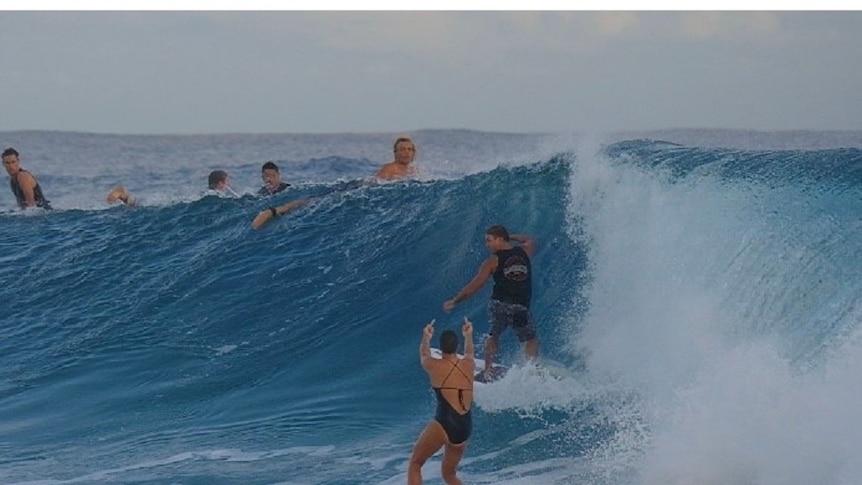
(404, 151)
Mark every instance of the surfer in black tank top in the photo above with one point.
(25, 187)
(513, 277)
(512, 271)
(452, 382)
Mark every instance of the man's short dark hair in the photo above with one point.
(498, 231)
(10, 151)
(216, 177)
(269, 166)
(448, 342)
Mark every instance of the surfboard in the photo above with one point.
(497, 370)
(547, 368)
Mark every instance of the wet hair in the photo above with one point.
(498, 231)
(216, 177)
(403, 139)
(270, 165)
(448, 342)
(9, 151)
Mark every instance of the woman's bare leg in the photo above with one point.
(451, 458)
(431, 439)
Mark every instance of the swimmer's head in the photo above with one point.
(448, 342)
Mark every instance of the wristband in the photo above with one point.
(274, 212)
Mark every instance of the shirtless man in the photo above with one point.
(401, 167)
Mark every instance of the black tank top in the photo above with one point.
(265, 190)
(513, 277)
(19, 194)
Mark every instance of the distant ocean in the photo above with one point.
(703, 287)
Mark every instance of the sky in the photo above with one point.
(372, 71)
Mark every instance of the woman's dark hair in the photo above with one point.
(448, 342)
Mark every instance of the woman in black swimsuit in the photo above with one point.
(452, 382)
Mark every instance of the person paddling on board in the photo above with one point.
(510, 301)
(452, 381)
(218, 183)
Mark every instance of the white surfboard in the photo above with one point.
(499, 370)
(548, 368)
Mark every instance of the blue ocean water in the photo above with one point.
(702, 287)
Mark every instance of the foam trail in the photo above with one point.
(679, 265)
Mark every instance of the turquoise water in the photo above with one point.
(701, 287)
